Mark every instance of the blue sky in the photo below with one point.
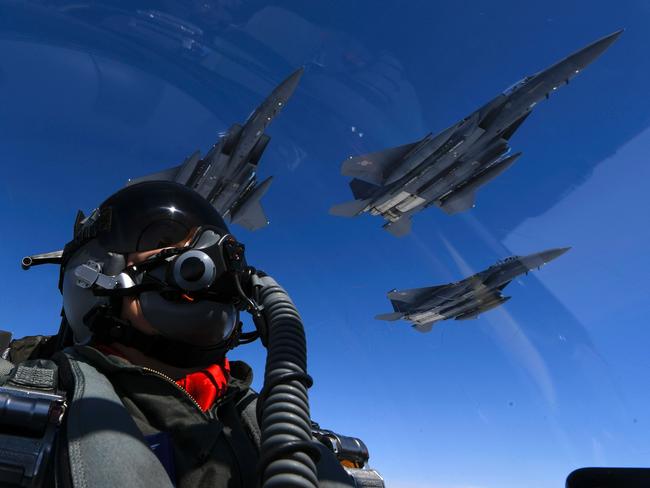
(554, 380)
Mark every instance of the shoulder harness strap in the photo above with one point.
(246, 408)
(105, 446)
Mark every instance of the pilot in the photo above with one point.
(152, 400)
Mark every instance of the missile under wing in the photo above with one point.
(226, 175)
(465, 299)
(447, 169)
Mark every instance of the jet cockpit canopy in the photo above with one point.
(515, 86)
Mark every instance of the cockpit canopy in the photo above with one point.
(515, 86)
(509, 259)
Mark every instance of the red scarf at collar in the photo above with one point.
(208, 384)
(205, 385)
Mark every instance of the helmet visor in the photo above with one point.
(152, 215)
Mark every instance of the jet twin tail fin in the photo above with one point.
(249, 213)
(252, 217)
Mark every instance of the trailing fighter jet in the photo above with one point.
(226, 175)
(447, 169)
(465, 299)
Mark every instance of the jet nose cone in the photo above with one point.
(588, 54)
(279, 97)
(552, 254)
(289, 85)
(536, 260)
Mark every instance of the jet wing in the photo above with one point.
(180, 174)
(165, 175)
(408, 299)
(199, 174)
(373, 167)
(413, 295)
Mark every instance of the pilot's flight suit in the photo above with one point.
(127, 425)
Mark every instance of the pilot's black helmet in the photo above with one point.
(143, 217)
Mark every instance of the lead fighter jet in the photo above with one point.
(465, 299)
(446, 169)
(225, 176)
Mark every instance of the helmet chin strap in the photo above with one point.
(107, 328)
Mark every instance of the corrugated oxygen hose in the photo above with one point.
(288, 452)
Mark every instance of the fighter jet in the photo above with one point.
(464, 299)
(226, 175)
(447, 169)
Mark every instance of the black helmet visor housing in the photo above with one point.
(152, 215)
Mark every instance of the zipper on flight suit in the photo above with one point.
(180, 388)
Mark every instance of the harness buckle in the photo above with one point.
(30, 415)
